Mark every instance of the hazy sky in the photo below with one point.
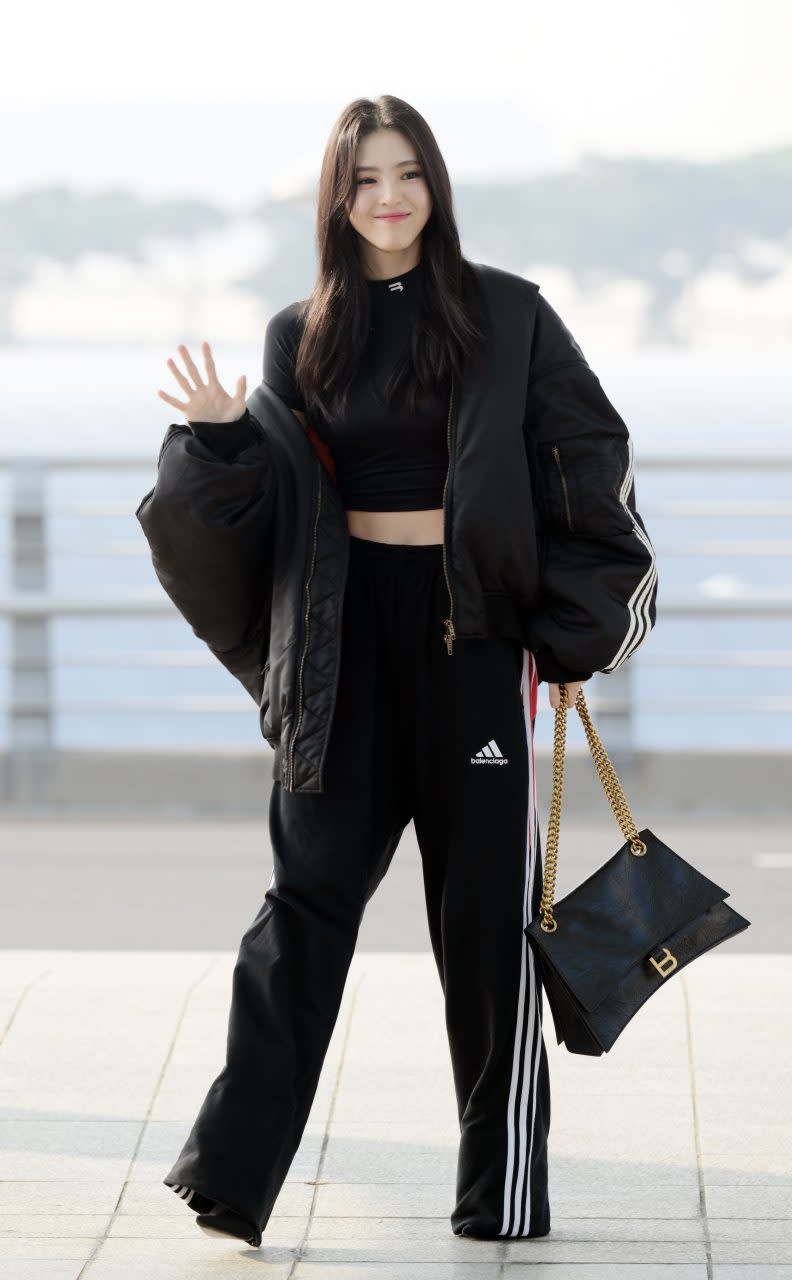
(233, 100)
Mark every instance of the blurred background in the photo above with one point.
(158, 187)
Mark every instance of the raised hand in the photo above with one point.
(206, 401)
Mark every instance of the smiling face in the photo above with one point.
(389, 180)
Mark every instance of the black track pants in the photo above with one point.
(447, 740)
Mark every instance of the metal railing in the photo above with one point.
(30, 605)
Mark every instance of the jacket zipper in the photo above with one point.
(290, 761)
(449, 634)
(557, 457)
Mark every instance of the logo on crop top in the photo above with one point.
(397, 285)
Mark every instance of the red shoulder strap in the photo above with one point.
(322, 451)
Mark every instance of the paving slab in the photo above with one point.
(670, 1157)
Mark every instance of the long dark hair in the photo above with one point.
(453, 327)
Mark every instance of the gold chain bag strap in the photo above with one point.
(610, 785)
(607, 946)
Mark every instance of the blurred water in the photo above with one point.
(102, 402)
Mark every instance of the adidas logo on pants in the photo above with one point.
(490, 754)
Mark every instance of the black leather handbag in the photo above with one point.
(606, 947)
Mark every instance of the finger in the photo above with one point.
(191, 366)
(177, 404)
(209, 361)
(179, 376)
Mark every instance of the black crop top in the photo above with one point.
(384, 461)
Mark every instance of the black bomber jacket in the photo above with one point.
(542, 539)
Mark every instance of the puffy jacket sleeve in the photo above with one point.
(207, 521)
(598, 573)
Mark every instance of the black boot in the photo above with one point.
(222, 1221)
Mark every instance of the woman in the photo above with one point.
(428, 709)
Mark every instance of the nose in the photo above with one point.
(391, 196)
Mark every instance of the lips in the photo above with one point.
(392, 217)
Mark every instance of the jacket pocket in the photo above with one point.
(583, 485)
(276, 693)
(567, 512)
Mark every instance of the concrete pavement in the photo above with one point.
(669, 1157)
(148, 884)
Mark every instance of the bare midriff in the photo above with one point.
(417, 527)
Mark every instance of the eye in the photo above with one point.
(410, 173)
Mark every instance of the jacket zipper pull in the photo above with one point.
(450, 635)
(448, 623)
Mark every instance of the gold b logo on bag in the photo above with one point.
(666, 965)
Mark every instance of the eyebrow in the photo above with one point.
(359, 167)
